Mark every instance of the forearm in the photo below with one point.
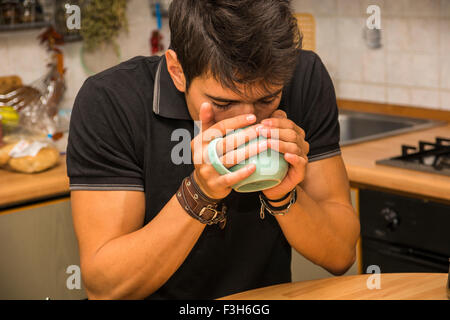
(135, 265)
(325, 233)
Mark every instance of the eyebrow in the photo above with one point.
(225, 100)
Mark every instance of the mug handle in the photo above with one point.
(214, 158)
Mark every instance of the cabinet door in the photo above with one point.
(37, 246)
(305, 270)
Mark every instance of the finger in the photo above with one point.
(287, 135)
(221, 127)
(237, 139)
(285, 147)
(234, 157)
(297, 163)
(232, 178)
(206, 116)
(283, 124)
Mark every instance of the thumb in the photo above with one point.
(206, 116)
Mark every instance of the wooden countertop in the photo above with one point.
(361, 168)
(359, 159)
(17, 188)
(394, 286)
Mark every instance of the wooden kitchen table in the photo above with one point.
(393, 286)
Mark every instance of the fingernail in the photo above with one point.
(263, 145)
(251, 118)
(267, 122)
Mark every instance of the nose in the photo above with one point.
(248, 108)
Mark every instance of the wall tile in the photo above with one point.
(350, 65)
(28, 59)
(399, 69)
(326, 32)
(317, 8)
(350, 32)
(136, 42)
(349, 90)
(425, 70)
(138, 11)
(424, 34)
(397, 34)
(366, 3)
(398, 95)
(425, 98)
(423, 8)
(373, 93)
(349, 8)
(75, 73)
(374, 66)
(395, 8)
(329, 58)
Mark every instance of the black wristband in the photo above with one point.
(278, 208)
(279, 200)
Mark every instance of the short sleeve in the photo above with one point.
(100, 150)
(313, 106)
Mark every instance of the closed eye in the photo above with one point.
(222, 106)
(267, 101)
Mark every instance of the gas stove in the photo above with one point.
(433, 157)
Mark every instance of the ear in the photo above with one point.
(175, 70)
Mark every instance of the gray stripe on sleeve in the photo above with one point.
(325, 155)
(106, 187)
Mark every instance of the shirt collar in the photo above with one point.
(168, 101)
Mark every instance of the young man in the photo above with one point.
(140, 216)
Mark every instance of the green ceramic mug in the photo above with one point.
(271, 168)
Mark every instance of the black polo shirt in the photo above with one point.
(121, 139)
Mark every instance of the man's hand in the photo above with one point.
(213, 184)
(286, 137)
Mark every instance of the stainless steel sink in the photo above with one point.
(359, 127)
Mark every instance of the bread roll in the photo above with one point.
(46, 158)
(4, 153)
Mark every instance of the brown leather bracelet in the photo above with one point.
(199, 206)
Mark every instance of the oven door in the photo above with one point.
(396, 259)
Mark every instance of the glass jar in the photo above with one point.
(28, 11)
(10, 11)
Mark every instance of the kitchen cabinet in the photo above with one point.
(38, 245)
(305, 270)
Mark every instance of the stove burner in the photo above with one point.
(429, 157)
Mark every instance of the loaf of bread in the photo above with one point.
(4, 153)
(46, 158)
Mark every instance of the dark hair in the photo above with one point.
(236, 41)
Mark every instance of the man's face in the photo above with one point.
(227, 104)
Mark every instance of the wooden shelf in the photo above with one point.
(24, 26)
(37, 25)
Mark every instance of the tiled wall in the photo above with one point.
(21, 54)
(413, 66)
